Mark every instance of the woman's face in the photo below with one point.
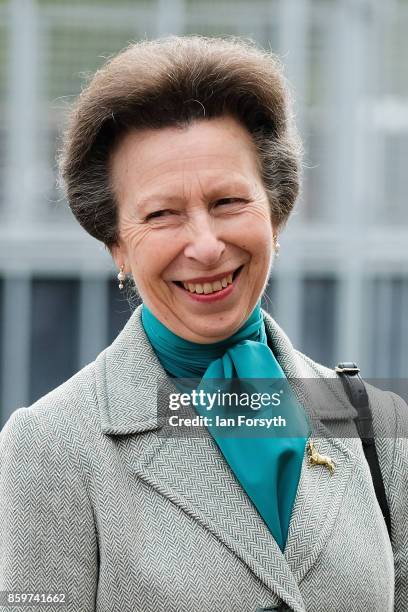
(191, 207)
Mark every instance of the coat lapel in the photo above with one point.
(319, 493)
(317, 504)
(192, 473)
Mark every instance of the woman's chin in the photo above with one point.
(210, 327)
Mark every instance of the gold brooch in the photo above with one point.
(315, 458)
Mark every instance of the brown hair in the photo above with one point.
(173, 81)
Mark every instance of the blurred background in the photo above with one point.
(340, 286)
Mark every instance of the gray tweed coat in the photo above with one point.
(95, 504)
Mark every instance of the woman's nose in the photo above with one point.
(204, 244)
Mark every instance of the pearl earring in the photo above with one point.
(121, 277)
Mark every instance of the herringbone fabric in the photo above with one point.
(96, 503)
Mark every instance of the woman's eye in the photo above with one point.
(229, 200)
(156, 214)
(162, 213)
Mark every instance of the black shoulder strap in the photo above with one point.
(356, 391)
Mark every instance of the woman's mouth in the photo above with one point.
(207, 291)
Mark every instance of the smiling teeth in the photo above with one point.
(208, 287)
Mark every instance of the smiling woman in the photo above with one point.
(181, 156)
(214, 227)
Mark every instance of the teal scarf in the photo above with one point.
(267, 466)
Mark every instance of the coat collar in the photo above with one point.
(128, 374)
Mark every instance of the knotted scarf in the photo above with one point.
(267, 466)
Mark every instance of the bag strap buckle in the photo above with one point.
(348, 367)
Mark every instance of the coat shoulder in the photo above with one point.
(389, 409)
(72, 406)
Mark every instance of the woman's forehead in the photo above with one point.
(207, 138)
(205, 153)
